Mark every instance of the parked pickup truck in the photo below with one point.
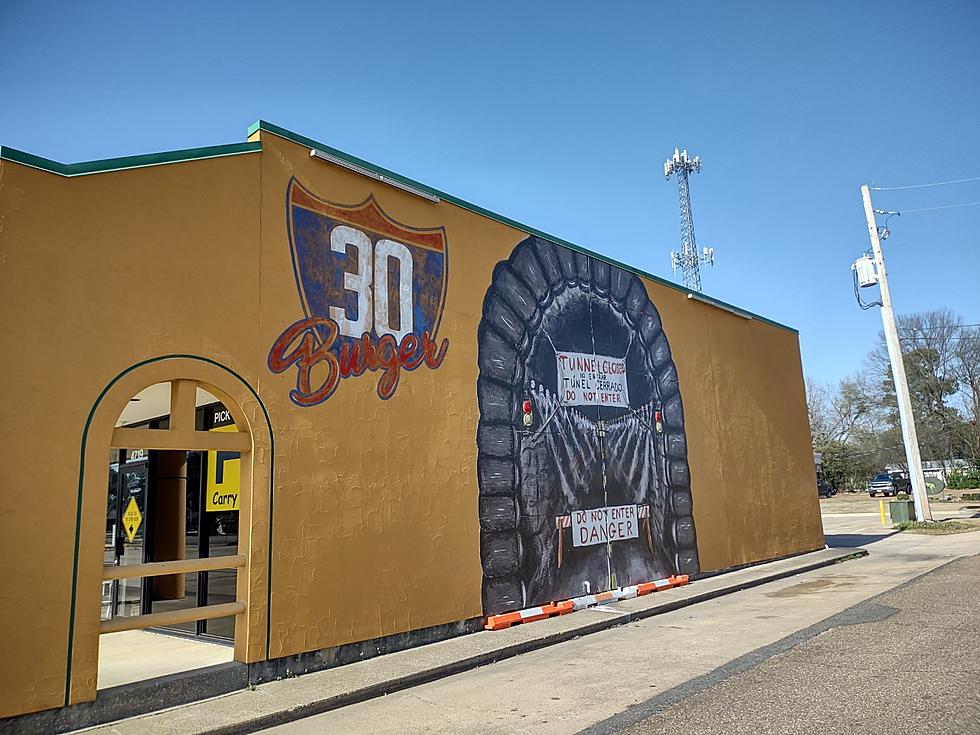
(889, 483)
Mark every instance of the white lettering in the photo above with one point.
(359, 281)
(374, 261)
(384, 251)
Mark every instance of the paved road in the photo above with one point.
(620, 678)
(905, 663)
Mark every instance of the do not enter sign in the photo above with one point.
(602, 525)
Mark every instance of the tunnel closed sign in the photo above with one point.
(602, 525)
(592, 380)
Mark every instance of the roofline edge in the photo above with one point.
(264, 125)
(105, 165)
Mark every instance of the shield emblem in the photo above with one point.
(364, 270)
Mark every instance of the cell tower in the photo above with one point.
(689, 260)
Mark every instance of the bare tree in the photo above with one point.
(841, 420)
(967, 370)
(855, 422)
(818, 404)
(929, 343)
(837, 411)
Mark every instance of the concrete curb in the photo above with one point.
(434, 673)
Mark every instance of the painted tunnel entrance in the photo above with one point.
(595, 492)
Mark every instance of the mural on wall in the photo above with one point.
(583, 474)
(372, 291)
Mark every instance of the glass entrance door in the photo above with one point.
(211, 518)
(164, 597)
(221, 489)
(142, 519)
(126, 525)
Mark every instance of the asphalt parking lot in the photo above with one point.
(904, 662)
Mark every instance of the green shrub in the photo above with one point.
(963, 479)
(936, 528)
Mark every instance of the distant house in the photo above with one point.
(934, 467)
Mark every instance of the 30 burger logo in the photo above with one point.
(372, 290)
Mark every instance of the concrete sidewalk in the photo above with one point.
(130, 656)
(291, 699)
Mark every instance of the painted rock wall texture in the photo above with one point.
(595, 492)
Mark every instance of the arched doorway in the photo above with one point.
(156, 568)
(594, 491)
(172, 506)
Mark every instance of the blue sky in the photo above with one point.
(561, 114)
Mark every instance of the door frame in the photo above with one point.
(253, 628)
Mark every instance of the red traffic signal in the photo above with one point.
(528, 417)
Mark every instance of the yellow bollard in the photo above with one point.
(881, 509)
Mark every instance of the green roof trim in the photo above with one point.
(126, 162)
(233, 149)
(262, 125)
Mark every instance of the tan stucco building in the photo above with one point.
(365, 408)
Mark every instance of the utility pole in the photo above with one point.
(688, 260)
(922, 510)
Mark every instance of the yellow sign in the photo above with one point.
(224, 477)
(132, 519)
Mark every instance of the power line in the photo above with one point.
(916, 340)
(951, 328)
(946, 206)
(923, 186)
(952, 333)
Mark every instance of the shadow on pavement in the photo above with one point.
(853, 540)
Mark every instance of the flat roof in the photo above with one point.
(232, 149)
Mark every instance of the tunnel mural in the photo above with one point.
(582, 464)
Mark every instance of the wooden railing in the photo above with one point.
(172, 617)
(180, 435)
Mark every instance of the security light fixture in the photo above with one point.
(717, 305)
(336, 160)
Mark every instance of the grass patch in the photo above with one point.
(937, 528)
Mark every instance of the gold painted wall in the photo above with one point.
(376, 525)
(748, 434)
(96, 274)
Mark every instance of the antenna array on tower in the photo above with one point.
(689, 260)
